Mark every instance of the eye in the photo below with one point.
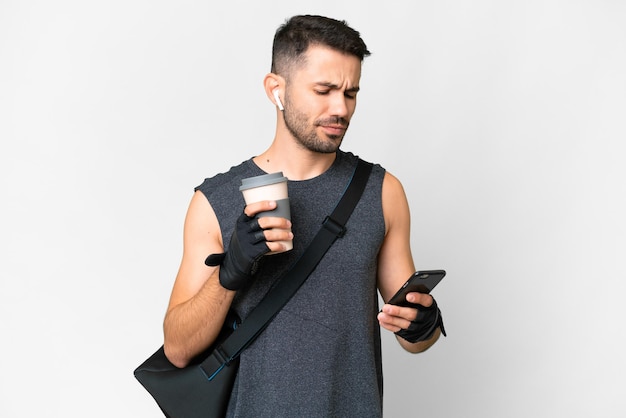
(322, 92)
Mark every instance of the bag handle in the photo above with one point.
(332, 228)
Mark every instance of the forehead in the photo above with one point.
(326, 65)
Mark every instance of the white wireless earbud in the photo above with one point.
(278, 102)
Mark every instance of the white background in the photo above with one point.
(503, 119)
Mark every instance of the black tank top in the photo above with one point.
(321, 355)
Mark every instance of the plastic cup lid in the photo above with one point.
(262, 180)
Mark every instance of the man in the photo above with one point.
(320, 356)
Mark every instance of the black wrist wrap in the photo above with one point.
(424, 326)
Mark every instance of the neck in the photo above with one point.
(295, 162)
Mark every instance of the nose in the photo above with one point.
(339, 105)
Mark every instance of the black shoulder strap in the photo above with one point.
(332, 228)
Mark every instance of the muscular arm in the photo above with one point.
(395, 264)
(198, 303)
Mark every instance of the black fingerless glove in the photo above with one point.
(424, 326)
(247, 245)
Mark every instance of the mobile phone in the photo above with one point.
(421, 281)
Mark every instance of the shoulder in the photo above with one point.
(392, 187)
(350, 159)
(228, 180)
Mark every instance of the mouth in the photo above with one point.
(334, 130)
(333, 127)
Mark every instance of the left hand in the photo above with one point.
(394, 318)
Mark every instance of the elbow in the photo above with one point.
(176, 356)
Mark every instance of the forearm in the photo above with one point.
(192, 326)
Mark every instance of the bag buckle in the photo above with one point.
(219, 360)
(334, 226)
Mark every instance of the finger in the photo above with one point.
(423, 299)
(389, 327)
(259, 236)
(274, 222)
(400, 315)
(264, 205)
(392, 323)
(278, 235)
(254, 225)
(276, 246)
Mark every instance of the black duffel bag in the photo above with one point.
(202, 389)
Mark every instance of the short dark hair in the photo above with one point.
(293, 38)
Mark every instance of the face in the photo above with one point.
(320, 99)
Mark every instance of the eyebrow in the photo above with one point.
(354, 89)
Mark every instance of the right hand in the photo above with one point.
(251, 239)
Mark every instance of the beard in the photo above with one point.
(305, 134)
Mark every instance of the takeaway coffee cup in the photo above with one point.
(268, 187)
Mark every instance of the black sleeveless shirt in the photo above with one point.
(321, 355)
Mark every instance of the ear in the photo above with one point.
(274, 85)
